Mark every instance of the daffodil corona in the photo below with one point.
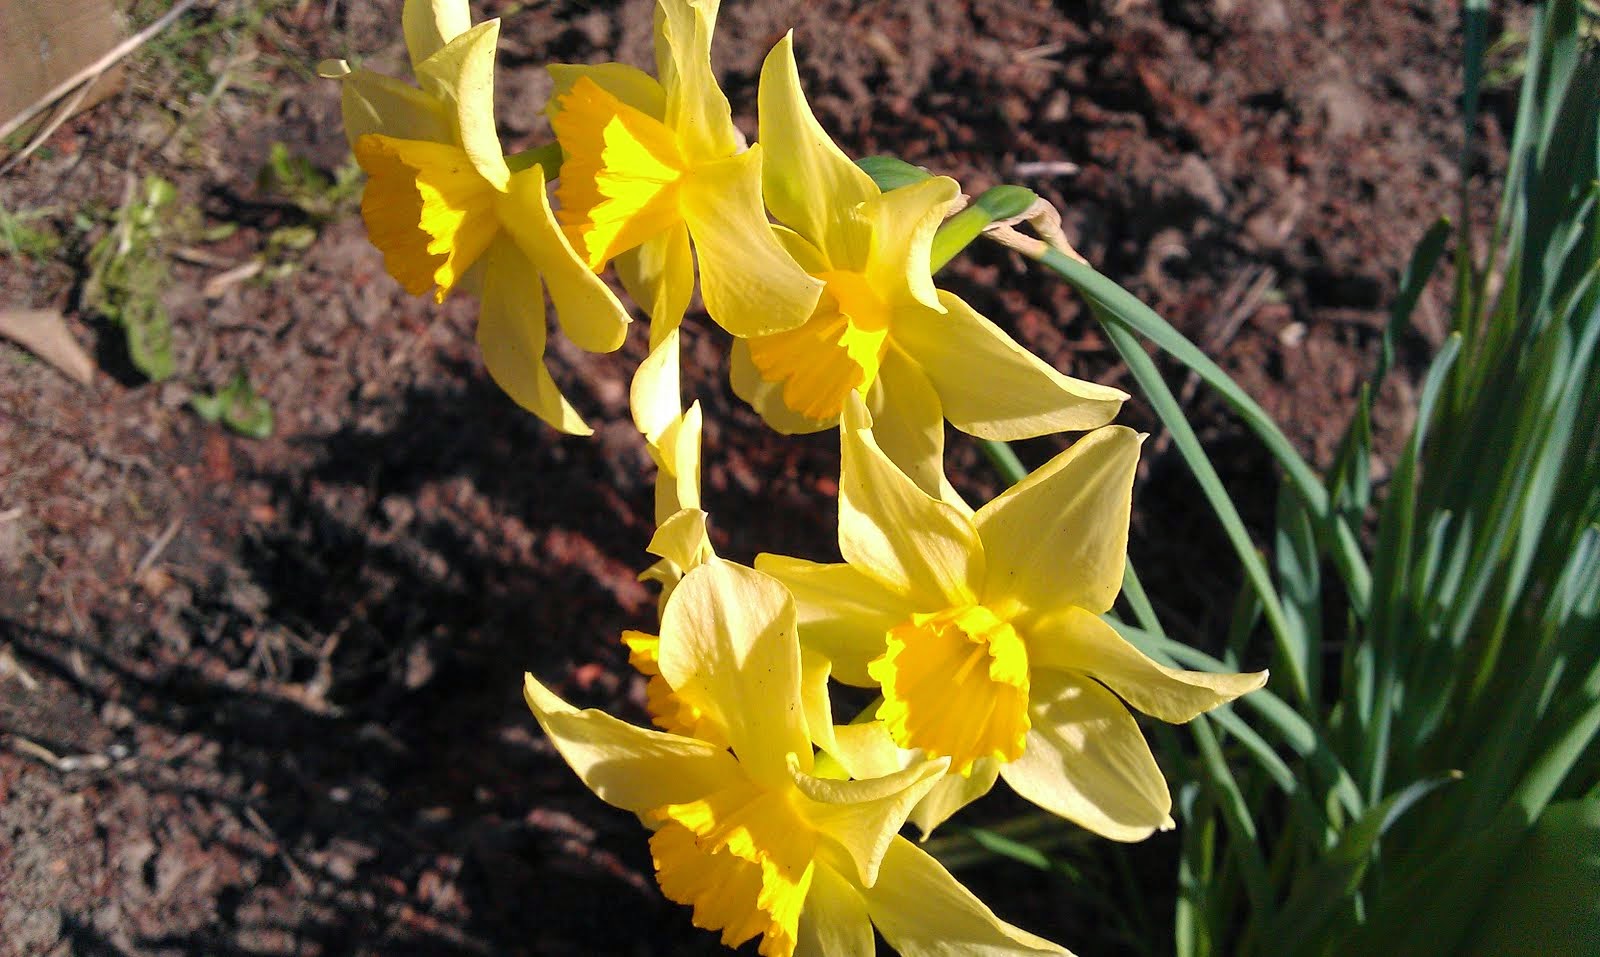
(652, 164)
(983, 631)
(917, 355)
(446, 209)
(755, 841)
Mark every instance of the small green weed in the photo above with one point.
(238, 406)
(19, 238)
(322, 197)
(127, 272)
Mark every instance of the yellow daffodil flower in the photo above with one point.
(651, 165)
(983, 630)
(917, 354)
(447, 210)
(756, 842)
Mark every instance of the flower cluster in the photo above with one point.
(981, 630)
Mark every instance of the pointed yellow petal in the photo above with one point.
(511, 334)
(903, 223)
(1087, 761)
(834, 922)
(728, 647)
(426, 209)
(952, 793)
(430, 24)
(654, 396)
(924, 912)
(696, 109)
(677, 458)
(814, 671)
(620, 178)
(751, 286)
(912, 544)
(844, 613)
(1060, 537)
(462, 74)
(909, 425)
(682, 540)
(964, 354)
(374, 103)
(667, 711)
(865, 750)
(625, 766)
(659, 275)
(629, 84)
(767, 397)
(1075, 640)
(589, 312)
(809, 183)
(862, 817)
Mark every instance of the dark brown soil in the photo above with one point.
(262, 697)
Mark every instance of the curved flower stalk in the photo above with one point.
(651, 165)
(983, 631)
(753, 840)
(917, 354)
(447, 210)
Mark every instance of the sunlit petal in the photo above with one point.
(809, 183)
(511, 336)
(430, 24)
(728, 647)
(922, 911)
(373, 103)
(1076, 640)
(844, 613)
(908, 423)
(864, 816)
(628, 767)
(629, 84)
(696, 110)
(1086, 761)
(834, 922)
(964, 355)
(952, 793)
(913, 544)
(461, 73)
(751, 286)
(659, 275)
(1060, 536)
(903, 223)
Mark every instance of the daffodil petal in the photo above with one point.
(430, 24)
(1060, 536)
(814, 671)
(1086, 761)
(952, 793)
(629, 84)
(862, 817)
(655, 397)
(681, 539)
(1076, 640)
(809, 183)
(903, 223)
(511, 335)
(696, 109)
(589, 312)
(913, 544)
(964, 355)
(659, 275)
(922, 911)
(908, 423)
(844, 613)
(866, 750)
(834, 922)
(728, 647)
(767, 397)
(462, 73)
(373, 103)
(677, 456)
(751, 286)
(632, 768)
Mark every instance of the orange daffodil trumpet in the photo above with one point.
(917, 354)
(446, 209)
(983, 629)
(754, 839)
(653, 165)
